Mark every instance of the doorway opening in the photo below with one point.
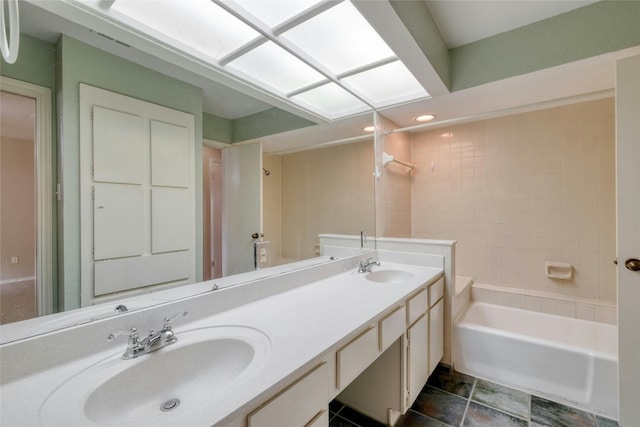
(17, 208)
(26, 201)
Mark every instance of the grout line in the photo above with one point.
(448, 392)
(466, 408)
(420, 414)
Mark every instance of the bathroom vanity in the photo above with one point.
(271, 351)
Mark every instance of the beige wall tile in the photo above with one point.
(327, 190)
(542, 189)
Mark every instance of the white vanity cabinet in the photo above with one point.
(302, 404)
(411, 340)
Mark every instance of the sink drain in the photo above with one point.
(170, 405)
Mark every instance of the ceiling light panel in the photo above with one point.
(330, 100)
(199, 24)
(340, 39)
(388, 84)
(269, 64)
(275, 12)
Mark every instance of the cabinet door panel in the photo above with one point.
(117, 146)
(436, 335)
(170, 222)
(320, 420)
(118, 230)
(169, 155)
(418, 357)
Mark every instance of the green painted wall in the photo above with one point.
(81, 63)
(36, 64)
(216, 128)
(592, 30)
(268, 122)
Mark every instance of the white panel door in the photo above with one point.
(118, 221)
(242, 207)
(170, 223)
(135, 234)
(628, 199)
(169, 155)
(117, 146)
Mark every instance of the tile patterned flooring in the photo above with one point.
(455, 399)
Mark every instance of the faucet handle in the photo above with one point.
(167, 320)
(134, 339)
(133, 333)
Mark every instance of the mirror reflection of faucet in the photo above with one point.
(366, 266)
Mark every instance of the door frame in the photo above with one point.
(215, 263)
(44, 188)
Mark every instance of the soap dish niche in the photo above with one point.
(558, 270)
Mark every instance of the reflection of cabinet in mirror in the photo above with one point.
(137, 195)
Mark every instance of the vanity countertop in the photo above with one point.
(303, 325)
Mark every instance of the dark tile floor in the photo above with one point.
(452, 399)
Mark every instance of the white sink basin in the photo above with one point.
(389, 276)
(160, 387)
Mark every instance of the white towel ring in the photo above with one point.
(10, 43)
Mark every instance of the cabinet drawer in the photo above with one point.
(354, 357)
(299, 405)
(391, 327)
(416, 307)
(436, 291)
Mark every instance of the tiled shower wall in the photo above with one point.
(393, 205)
(327, 190)
(520, 190)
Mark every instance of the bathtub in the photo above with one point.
(571, 361)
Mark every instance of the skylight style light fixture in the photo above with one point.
(319, 55)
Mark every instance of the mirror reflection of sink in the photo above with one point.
(160, 387)
(389, 276)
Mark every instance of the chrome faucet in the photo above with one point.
(366, 266)
(152, 342)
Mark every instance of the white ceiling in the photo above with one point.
(460, 22)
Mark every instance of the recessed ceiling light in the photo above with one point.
(369, 128)
(425, 118)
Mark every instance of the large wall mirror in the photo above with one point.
(313, 176)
